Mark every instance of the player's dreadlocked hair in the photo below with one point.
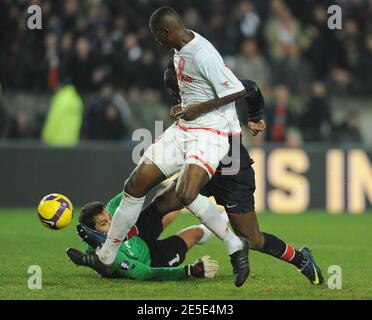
(89, 212)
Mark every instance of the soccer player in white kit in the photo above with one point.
(193, 146)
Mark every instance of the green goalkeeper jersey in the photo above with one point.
(133, 259)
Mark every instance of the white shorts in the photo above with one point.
(176, 147)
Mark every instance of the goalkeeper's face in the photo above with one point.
(102, 222)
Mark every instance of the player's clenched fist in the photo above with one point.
(203, 267)
(256, 127)
(175, 111)
(191, 112)
(188, 113)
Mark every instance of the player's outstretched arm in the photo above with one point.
(194, 111)
(254, 100)
(127, 268)
(255, 103)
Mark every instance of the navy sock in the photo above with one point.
(281, 250)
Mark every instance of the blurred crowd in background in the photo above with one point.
(94, 58)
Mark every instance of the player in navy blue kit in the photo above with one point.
(235, 191)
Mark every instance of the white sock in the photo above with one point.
(232, 242)
(207, 234)
(126, 215)
(224, 216)
(210, 216)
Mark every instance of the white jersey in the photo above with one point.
(203, 76)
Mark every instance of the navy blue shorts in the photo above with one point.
(234, 192)
(169, 252)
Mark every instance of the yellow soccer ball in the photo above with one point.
(55, 211)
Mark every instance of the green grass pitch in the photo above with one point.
(344, 240)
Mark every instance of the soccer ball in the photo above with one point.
(55, 211)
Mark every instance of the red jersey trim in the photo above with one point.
(211, 171)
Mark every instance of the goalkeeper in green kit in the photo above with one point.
(141, 255)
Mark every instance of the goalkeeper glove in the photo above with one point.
(203, 267)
